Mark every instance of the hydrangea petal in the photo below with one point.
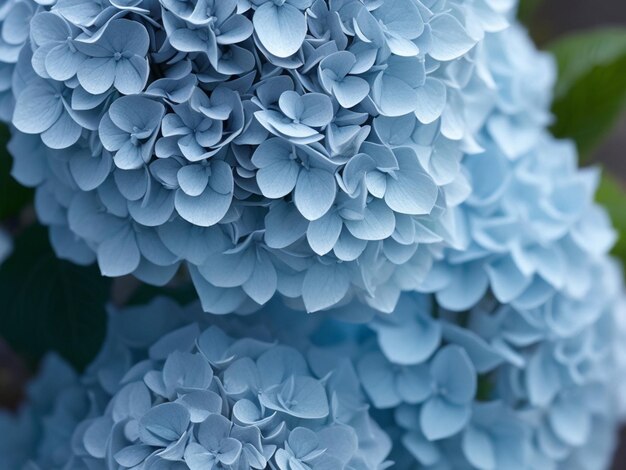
(281, 28)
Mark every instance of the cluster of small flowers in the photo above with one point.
(498, 386)
(493, 387)
(509, 355)
(532, 230)
(170, 390)
(301, 146)
(514, 360)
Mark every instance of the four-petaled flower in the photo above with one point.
(130, 129)
(116, 57)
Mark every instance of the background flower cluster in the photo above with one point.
(314, 145)
(184, 394)
(492, 387)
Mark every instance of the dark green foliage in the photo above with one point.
(51, 304)
(612, 196)
(591, 89)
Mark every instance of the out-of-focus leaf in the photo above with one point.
(591, 89)
(526, 10)
(485, 388)
(13, 196)
(51, 304)
(612, 195)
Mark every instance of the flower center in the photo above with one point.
(70, 44)
(135, 139)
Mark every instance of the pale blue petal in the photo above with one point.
(281, 29)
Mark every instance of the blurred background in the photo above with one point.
(551, 20)
(592, 110)
(589, 40)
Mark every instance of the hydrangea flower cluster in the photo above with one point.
(323, 150)
(181, 393)
(493, 387)
(305, 147)
(512, 356)
(499, 386)
(532, 230)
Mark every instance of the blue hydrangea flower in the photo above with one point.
(523, 237)
(326, 137)
(182, 393)
(506, 354)
(502, 389)
(129, 130)
(529, 309)
(173, 386)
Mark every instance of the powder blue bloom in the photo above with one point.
(335, 73)
(257, 274)
(184, 392)
(56, 55)
(501, 389)
(90, 163)
(394, 88)
(130, 130)
(388, 385)
(328, 448)
(179, 390)
(285, 167)
(205, 31)
(448, 409)
(16, 16)
(393, 175)
(167, 375)
(331, 133)
(397, 23)
(396, 333)
(200, 128)
(285, 160)
(206, 191)
(298, 117)
(494, 438)
(117, 57)
(44, 108)
(519, 372)
(522, 242)
(215, 445)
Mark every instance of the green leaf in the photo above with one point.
(612, 194)
(591, 89)
(485, 388)
(527, 9)
(13, 196)
(51, 304)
